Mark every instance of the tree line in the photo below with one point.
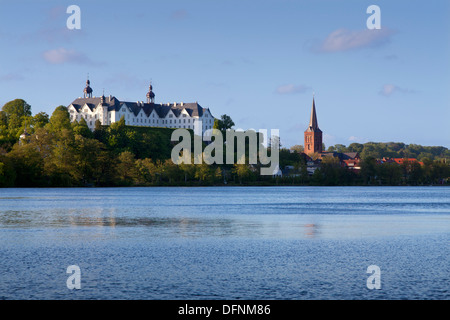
(50, 151)
(378, 150)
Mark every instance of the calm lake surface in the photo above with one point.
(225, 242)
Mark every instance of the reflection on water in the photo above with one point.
(225, 243)
(295, 213)
(215, 226)
(311, 230)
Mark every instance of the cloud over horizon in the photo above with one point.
(354, 139)
(389, 89)
(63, 55)
(345, 40)
(292, 89)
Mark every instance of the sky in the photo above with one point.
(260, 62)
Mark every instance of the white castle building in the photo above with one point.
(150, 114)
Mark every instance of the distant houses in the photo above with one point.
(313, 144)
(314, 156)
(400, 161)
(349, 160)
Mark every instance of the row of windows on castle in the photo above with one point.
(172, 123)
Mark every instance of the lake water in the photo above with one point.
(225, 242)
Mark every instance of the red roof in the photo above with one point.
(403, 160)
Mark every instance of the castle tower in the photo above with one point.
(313, 135)
(88, 90)
(150, 95)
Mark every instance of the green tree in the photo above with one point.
(341, 148)
(3, 119)
(17, 112)
(99, 132)
(90, 159)
(116, 136)
(242, 171)
(415, 174)
(303, 170)
(171, 171)
(317, 177)
(97, 125)
(7, 173)
(297, 148)
(390, 173)
(5, 140)
(145, 170)
(188, 171)
(57, 150)
(331, 170)
(28, 165)
(59, 120)
(218, 176)
(368, 170)
(223, 124)
(356, 147)
(81, 128)
(17, 107)
(126, 169)
(371, 150)
(40, 120)
(203, 172)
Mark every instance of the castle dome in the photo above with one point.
(150, 94)
(88, 90)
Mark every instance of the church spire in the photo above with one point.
(313, 124)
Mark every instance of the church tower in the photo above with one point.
(313, 135)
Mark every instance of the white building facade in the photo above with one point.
(150, 114)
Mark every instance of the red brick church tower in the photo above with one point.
(313, 135)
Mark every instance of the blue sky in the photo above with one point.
(257, 61)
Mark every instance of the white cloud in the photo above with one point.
(345, 40)
(291, 88)
(389, 89)
(358, 139)
(62, 55)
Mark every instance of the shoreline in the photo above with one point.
(226, 186)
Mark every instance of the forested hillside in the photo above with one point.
(50, 151)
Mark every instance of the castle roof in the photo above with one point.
(113, 104)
